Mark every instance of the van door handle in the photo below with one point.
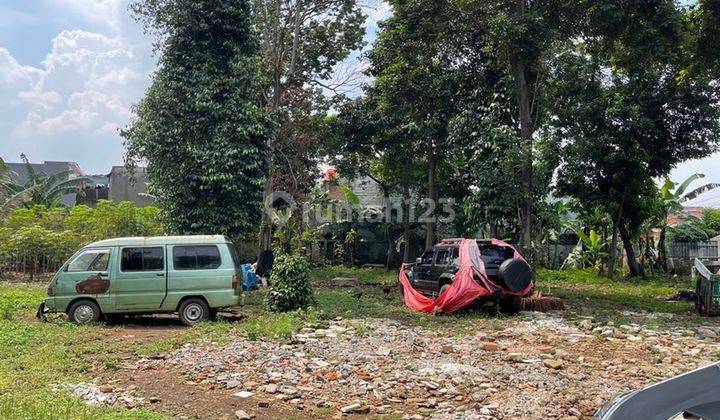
(160, 274)
(102, 274)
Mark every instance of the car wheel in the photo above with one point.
(84, 312)
(194, 311)
(511, 304)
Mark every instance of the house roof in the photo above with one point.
(694, 211)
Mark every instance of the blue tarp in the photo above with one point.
(249, 278)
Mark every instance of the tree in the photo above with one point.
(301, 43)
(38, 189)
(199, 126)
(520, 39)
(415, 81)
(368, 140)
(710, 221)
(628, 111)
(673, 196)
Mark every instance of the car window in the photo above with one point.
(198, 257)
(427, 257)
(234, 255)
(442, 257)
(142, 259)
(456, 255)
(90, 260)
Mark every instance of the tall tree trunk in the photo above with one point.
(432, 195)
(662, 249)
(522, 92)
(493, 231)
(613, 243)
(266, 226)
(612, 257)
(406, 211)
(649, 253)
(266, 221)
(389, 224)
(635, 268)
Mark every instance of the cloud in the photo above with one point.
(85, 83)
(75, 100)
(13, 76)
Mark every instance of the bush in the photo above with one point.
(687, 232)
(291, 284)
(711, 221)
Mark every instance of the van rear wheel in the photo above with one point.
(194, 311)
(84, 312)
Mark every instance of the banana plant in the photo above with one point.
(673, 197)
(593, 252)
(39, 188)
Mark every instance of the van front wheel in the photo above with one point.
(84, 312)
(194, 311)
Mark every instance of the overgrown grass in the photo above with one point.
(34, 356)
(590, 294)
(366, 276)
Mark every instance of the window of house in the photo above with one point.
(142, 259)
(197, 257)
(90, 260)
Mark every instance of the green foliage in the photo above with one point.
(291, 288)
(40, 238)
(691, 231)
(710, 221)
(277, 326)
(592, 253)
(199, 126)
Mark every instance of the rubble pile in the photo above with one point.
(535, 366)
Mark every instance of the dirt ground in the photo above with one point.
(532, 366)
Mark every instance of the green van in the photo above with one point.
(194, 276)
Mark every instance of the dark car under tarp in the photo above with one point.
(470, 283)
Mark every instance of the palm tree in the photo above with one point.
(39, 188)
(673, 199)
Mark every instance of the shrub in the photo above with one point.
(41, 239)
(711, 221)
(687, 232)
(291, 284)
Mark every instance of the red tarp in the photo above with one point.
(464, 289)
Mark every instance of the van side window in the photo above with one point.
(142, 259)
(90, 260)
(197, 257)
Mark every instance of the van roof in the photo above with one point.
(162, 240)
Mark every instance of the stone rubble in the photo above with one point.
(103, 395)
(539, 366)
